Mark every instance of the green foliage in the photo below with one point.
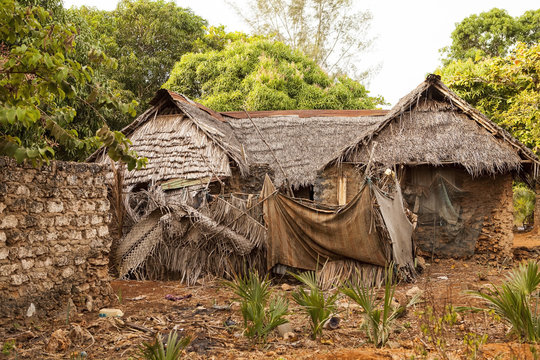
(146, 37)
(172, 351)
(38, 75)
(492, 34)
(7, 347)
(506, 89)
(524, 200)
(259, 74)
(318, 306)
(379, 314)
(330, 32)
(261, 313)
(516, 301)
(216, 38)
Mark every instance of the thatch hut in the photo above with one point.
(293, 145)
(196, 209)
(456, 169)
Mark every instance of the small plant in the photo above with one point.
(7, 347)
(314, 302)
(524, 199)
(473, 342)
(379, 314)
(171, 351)
(516, 301)
(261, 313)
(119, 296)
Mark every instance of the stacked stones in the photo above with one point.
(54, 236)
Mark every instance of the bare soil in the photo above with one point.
(529, 239)
(206, 311)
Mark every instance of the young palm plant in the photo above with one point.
(171, 351)
(261, 313)
(516, 301)
(379, 314)
(319, 307)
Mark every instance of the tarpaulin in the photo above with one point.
(398, 225)
(304, 236)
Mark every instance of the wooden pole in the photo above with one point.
(289, 189)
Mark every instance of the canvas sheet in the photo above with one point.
(398, 225)
(305, 237)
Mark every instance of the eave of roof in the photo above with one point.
(304, 113)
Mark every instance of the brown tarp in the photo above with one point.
(303, 236)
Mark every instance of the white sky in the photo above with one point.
(408, 33)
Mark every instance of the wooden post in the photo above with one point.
(537, 208)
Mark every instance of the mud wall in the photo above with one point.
(54, 237)
(495, 195)
(460, 216)
(327, 183)
(250, 184)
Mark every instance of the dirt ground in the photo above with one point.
(434, 328)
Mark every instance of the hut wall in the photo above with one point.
(251, 184)
(459, 215)
(327, 186)
(495, 194)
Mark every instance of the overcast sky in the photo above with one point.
(408, 34)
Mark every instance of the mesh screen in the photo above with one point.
(448, 224)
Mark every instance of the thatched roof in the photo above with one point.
(182, 140)
(302, 145)
(432, 125)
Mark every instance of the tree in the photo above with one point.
(260, 74)
(146, 37)
(492, 33)
(328, 31)
(37, 75)
(506, 89)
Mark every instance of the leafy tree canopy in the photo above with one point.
(260, 74)
(331, 32)
(37, 74)
(506, 89)
(492, 33)
(146, 37)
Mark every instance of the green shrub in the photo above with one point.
(524, 199)
(379, 314)
(516, 301)
(261, 313)
(172, 350)
(314, 302)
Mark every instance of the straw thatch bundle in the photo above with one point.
(301, 145)
(432, 125)
(177, 240)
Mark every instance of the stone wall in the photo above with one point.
(54, 237)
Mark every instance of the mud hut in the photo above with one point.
(455, 166)
(196, 208)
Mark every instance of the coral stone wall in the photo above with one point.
(54, 237)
